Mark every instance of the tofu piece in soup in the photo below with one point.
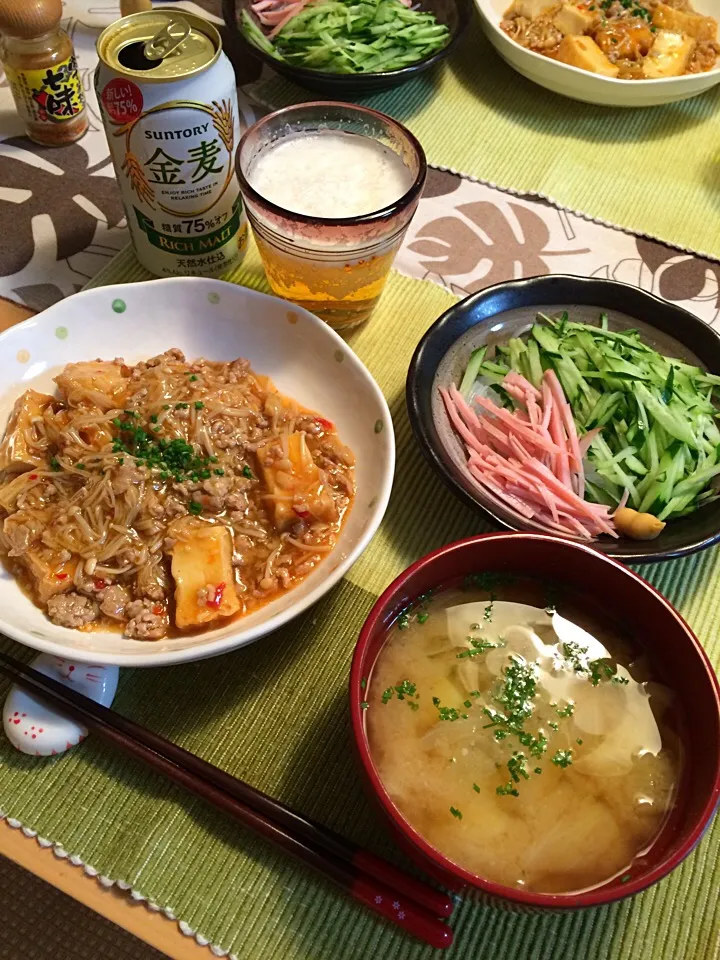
(553, 864)
(584, 53)
(203, 572)
(669, 56)
(648, 791)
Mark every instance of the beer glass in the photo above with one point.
(335, 267)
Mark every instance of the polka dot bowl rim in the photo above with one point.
(305, 358)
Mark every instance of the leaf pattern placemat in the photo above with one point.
(652, 171)
(275, 713)
(68, 221)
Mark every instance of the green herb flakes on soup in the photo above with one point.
(536, 754)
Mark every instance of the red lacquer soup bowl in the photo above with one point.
(677, 660)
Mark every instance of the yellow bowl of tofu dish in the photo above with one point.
(621, 53)
(186, 465)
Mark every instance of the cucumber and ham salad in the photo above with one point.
(342, 36)
(587, 431)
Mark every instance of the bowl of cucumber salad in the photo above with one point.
(579, 407)
(347, 48)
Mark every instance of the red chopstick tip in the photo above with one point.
(403, 900)
(406, 914)
(437, 902)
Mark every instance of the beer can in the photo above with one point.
(169, 106)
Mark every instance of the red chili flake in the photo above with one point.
(325, 424)
(301, 512)
(99, 584)
(157, 610)
(33, 476)
(216, 599)
(61, 576)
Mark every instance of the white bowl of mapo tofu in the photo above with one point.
(186, 465)
(621, 53)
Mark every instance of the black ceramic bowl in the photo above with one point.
(508, 310)
(455, 14)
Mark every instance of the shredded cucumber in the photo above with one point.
(341, 36)
(471, 372)
(660, 439)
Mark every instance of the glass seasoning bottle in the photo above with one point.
(41, 68)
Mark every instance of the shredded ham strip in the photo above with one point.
(277, 13)
(531, 459)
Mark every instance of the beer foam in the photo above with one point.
(330, 174)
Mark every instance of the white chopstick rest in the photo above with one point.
(34, 728)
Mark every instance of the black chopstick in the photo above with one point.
(385, 889)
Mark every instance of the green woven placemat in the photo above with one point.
(652, 171)
(275, 713)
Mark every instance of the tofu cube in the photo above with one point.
(202, 569)
(16, 451)
(669, 56)
(573, 20)
(297, 490)
(98, 383)
(691, 24)
(584, 53)
(49, 577)
(531, 8)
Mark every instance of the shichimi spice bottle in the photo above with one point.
(41, 69)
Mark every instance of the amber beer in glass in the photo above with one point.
(336, 267)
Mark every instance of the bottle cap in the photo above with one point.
(28, 19)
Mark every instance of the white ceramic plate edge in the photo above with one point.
(590, 87)
(335, 573)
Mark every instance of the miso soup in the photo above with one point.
(521, 735)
